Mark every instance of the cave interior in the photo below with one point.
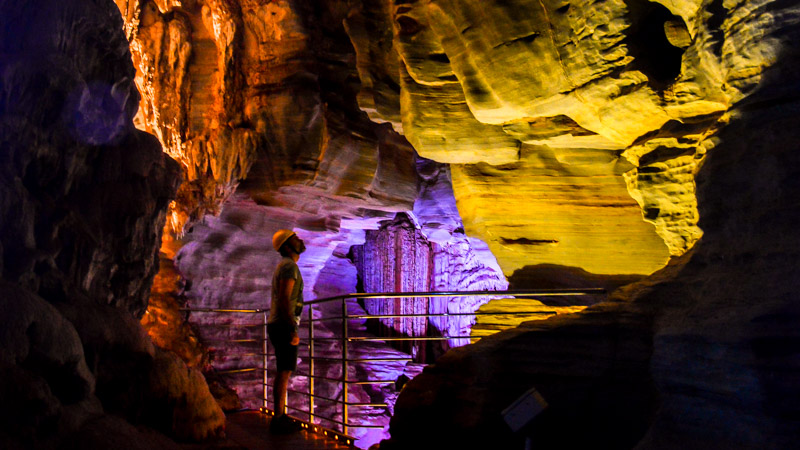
(645, 150)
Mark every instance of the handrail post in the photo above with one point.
(311, 364)
(264, 347)
(344, 365)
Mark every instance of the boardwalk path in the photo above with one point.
(250, 430)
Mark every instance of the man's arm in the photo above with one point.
(284, 296)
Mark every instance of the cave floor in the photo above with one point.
(250, 430)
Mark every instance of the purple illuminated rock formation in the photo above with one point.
(227, 262)
(399, 258)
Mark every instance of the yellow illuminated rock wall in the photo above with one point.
(552, 207)
(574, 128)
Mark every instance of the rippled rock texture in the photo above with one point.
(83, 200)
(705, 350)
(546, 111)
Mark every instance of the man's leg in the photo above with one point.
(279, 387)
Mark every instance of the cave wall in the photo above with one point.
(702, 354)
(288, 99)
(567, 106)
(263, 91)
(83, 200)
(546, 110)
(301, 107)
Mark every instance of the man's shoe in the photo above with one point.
(283, 425)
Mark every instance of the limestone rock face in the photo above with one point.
(705, 349)
(530, 68)
(259, 90)
(566, 207)
(186, 69)
(560, 88)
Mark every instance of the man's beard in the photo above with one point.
(300, 248)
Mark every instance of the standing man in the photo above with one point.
(284, 318)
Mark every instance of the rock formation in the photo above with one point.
(84, 198)
(399, 258)
(533, 104)
(700, 349)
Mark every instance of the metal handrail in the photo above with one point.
(514, 293)
(346, 340)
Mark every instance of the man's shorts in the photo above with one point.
(280, 336)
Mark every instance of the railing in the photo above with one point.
(345, 357)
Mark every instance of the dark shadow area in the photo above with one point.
(553, 276)
(593, 373)
(648, 43)
(607, 399)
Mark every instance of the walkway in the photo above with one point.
(250, 430)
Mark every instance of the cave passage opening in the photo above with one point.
(656, 39)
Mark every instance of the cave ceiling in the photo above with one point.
(573, 129)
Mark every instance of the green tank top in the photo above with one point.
(287, 270)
